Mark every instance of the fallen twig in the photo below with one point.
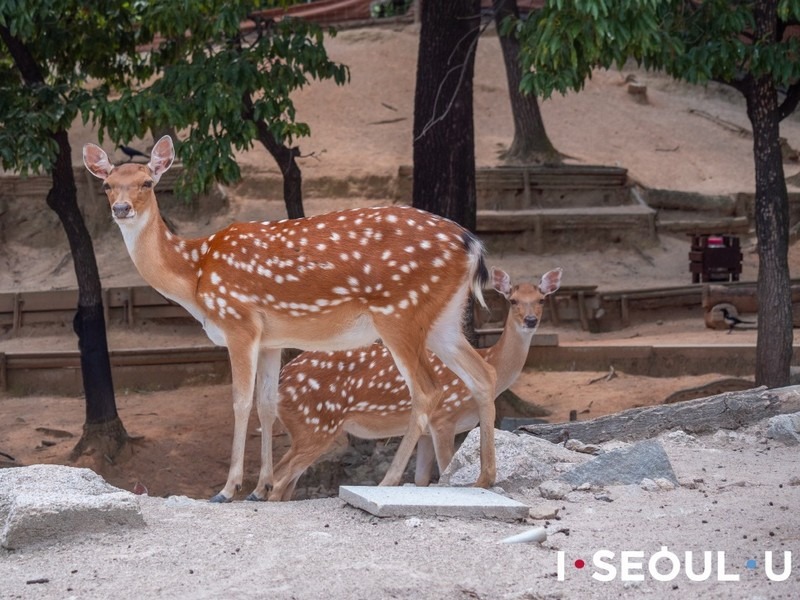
(607, 377)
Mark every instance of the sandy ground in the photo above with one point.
(320, 549)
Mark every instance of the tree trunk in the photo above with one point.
(531, 144)
(103, 429)
(444, 137)
(285, 158)
(292, 177)
(730, 410)
(774, 345)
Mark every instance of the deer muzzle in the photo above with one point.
(122, 210)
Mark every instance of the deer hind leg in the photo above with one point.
(244, 357)
(294, 463)
(443, 440)
(269, 367)
(426, 393)
(425, 457)
(480, 378)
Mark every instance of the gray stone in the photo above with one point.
(785, 429)
(648, 485)
(554, 490)
(643, 460)
(523, 461)
(544, 511)
(579, 446)
(45, 503)
(432, 501)
(680, 438)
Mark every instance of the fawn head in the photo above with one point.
(129, 187)
(526, 300)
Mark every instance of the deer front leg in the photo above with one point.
(244, 358)
(481, 380)
(269, 367)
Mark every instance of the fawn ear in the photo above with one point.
(96, 160)
(161, 157)
(501, 281)
(551, 281)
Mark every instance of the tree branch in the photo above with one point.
(23, 59)
(789, 103)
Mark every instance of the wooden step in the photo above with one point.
(513, 187)
(702, 225)
(586, 227)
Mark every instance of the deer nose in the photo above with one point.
(121, 210)
(531, 322)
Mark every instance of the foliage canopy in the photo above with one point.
(694, 41)
(131, 66)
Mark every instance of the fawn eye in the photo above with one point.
(148, 184)
(513, 302)
(106, 187)
(541, 301)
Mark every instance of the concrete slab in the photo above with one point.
(411, 501)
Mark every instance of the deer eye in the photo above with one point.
(106, 187)
(541, 300)
(148, 184)
(513, 302)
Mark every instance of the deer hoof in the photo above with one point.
(253, 497)
(219, 499)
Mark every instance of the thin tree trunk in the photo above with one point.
(292, 177)
(530, 144)
(103, 428)
(285, 158)
(774, 345)
(444, 137)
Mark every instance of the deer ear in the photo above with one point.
(501, 281)
(551, 281)
(161, 157)
(96, 160)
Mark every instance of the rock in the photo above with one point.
(665, 484)
(554, 490)
(523, 461)
(785, 429)
(648, 485)
(544, 511)
(43, 503)
(643, 460)
(579, 446)
(680, 438)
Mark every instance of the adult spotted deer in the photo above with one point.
(361, 392)
(328, 282)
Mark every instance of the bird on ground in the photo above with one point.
(732, 321)
(132, 153)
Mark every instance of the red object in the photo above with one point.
(715, 258)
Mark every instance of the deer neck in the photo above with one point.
(163, 259)
(509, 354)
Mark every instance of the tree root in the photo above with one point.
(108, 440)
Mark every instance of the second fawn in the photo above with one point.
(361, 392)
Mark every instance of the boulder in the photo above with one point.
(523, 461)
(46, 503)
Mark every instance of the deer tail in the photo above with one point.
(478, 273)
